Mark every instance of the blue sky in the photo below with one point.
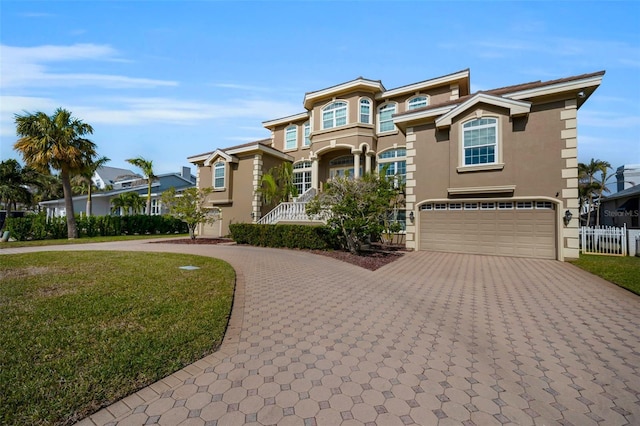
(166, 80)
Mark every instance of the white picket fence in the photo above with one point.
(603, 240)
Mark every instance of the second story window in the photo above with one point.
(417, 102)
(218, 175)
(394, 161)
(307, 134)
(480, 138)
(365, 111)
(334, 115)
(385, 117)
(291, 137)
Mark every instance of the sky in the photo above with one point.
(166, 80)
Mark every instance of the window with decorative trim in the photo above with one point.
(291, 137)
(395, 162)
(480, 140)
(219, 175)
(365, 111)
(307, 133)
(385, 117)
(416, 102)
(155, 206)
(302, 176)
(334, 115)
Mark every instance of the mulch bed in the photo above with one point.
(376, 257)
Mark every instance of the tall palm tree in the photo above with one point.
(588, 183)
(56, 142)
(128, 202)
(147, 169)
(87, 174)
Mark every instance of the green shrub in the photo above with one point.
(290, 236)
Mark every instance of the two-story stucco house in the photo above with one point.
(492, 172)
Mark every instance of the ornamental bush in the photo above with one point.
(289, 236)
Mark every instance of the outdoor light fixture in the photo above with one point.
(567, 217)
(412, 218)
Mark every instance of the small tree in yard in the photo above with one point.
(189, 207)
(357, 208)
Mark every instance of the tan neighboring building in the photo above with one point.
(493, 172)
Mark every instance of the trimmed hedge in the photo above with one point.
(289, 236)
(38, 227)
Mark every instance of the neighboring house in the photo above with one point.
(492, 172)
(622, 208)
(101, 201)
(106, 176)
(627, 176)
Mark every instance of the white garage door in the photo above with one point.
(509, 228)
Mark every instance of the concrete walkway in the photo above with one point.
(432, 339)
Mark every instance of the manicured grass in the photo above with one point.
(623, 271)
(84, 240)
(81, 330)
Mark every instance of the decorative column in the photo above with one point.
(356, 162)
(256, 203)
(314, 172)
(367, 162)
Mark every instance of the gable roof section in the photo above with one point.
(229, 154)
(285, 120)
(110, 174)
(515, 107)
(460, 77)
(359, 83)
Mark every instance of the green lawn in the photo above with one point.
(623, 271)
(84, 240)
(80, 330)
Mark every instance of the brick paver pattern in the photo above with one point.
(431, 339)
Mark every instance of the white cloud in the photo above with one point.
(27, 67)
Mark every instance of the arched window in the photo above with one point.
(302, 176)
(365, 111)
(291, 137)
(480, 139)
(342, 167)
(416, 102)
(307, 133)
(385, 117)
(334, 115)
(218, 175)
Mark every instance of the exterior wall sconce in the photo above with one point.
(567, 217)
(412, 217)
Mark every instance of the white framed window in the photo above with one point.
(155, 206)
(385, 117)
(396, 164)
(307, 132)
(365, 111)
(334, 115)
(480, 140)
(546, 205)
(416, 102)
(505, 206)
(487, 206)
(471, 206)
(219, 175)
(524, 205)
(291, 137)
(302, 176)
(426, 207)
(455, 206)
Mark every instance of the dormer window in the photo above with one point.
(365, 111)
(291, 137)
(417, 102)
(334, 115)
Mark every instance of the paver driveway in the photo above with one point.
(431, 339)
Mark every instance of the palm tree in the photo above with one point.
(602, 187)
(277, 185)
(15, 185)
(129, 202)
(56, 142)
(87, 174)
(147, 169)
(588, 184)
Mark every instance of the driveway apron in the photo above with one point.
(431, 339)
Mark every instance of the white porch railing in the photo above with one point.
(289, 212)
(307, 196)
(603, 240)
